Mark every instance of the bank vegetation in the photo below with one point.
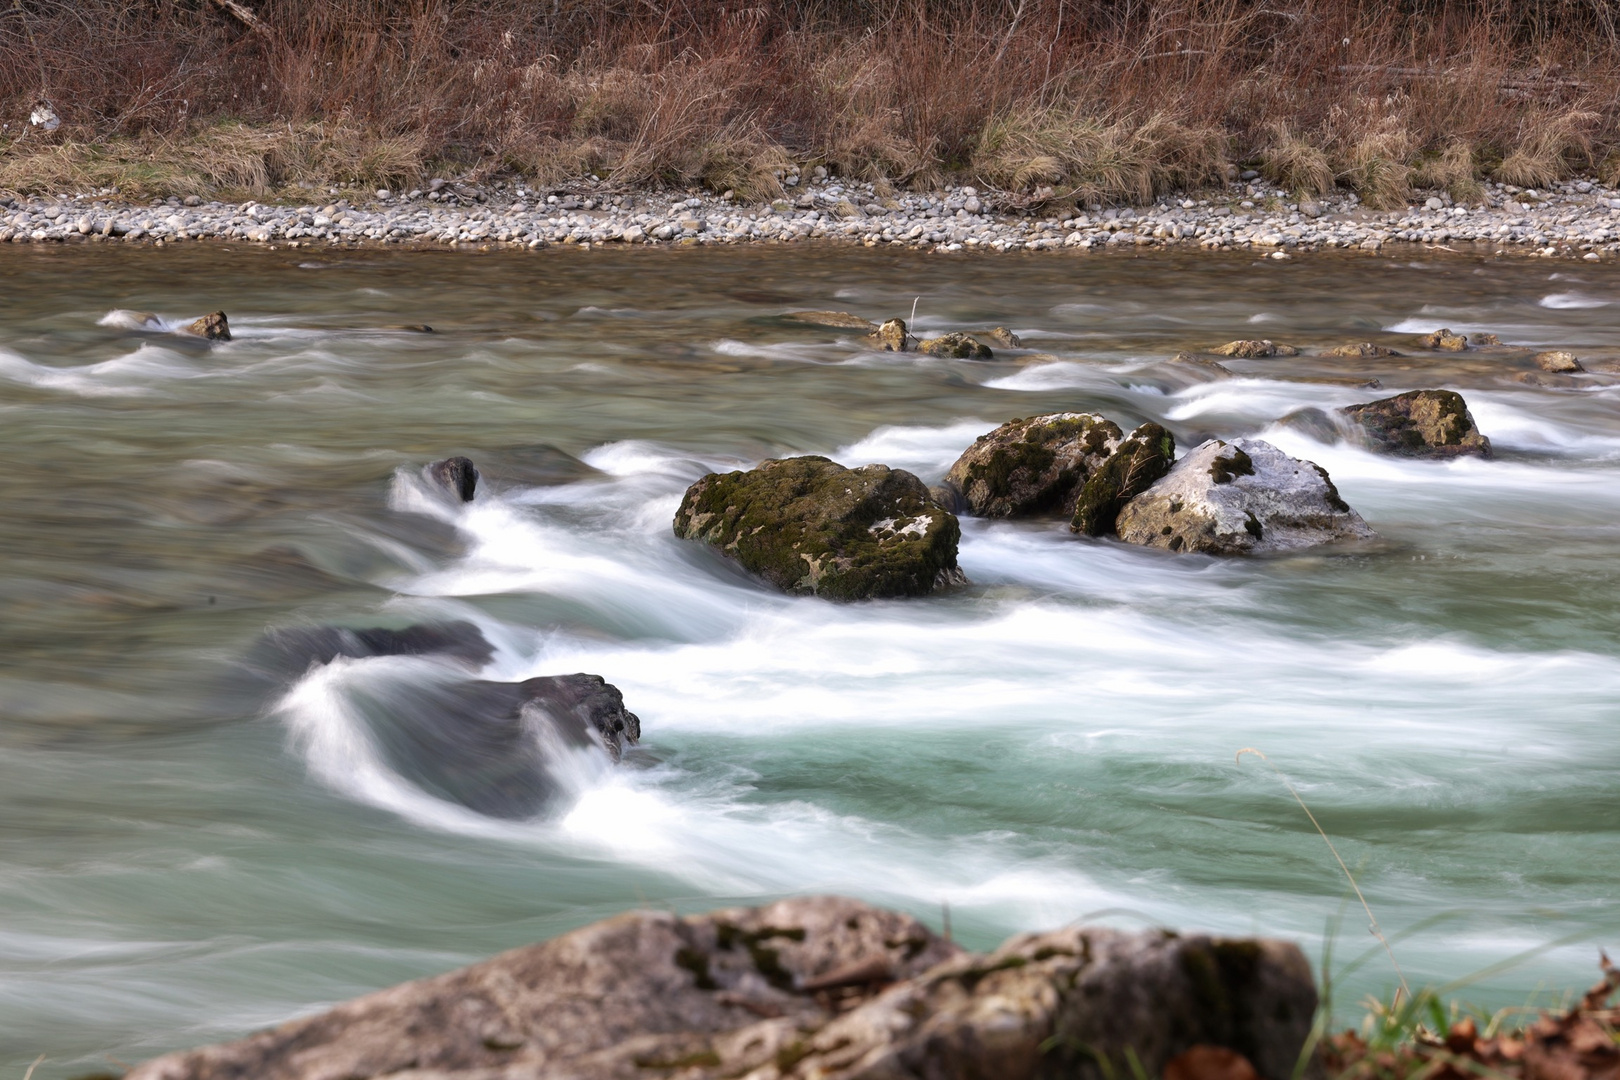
(1049, 101)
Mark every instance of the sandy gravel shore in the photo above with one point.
(1573, 220)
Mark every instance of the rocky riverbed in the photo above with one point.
(1579, 219)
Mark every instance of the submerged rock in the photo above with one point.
(1420, 423)
(892, 336)
(1034, 466)
(1135, 465)
(1240, 497)
(213, 327)
(810, 526)
(1558, 362)
(956, 346)
(1213, 368)
(1254, 350)
(1444, 341)
(290, 651)
(836, 320)
(497, 748)
(457, 475)
(808, 987)
(1365, 350)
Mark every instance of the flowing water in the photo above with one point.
(193, 846)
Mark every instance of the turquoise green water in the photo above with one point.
(187, 853)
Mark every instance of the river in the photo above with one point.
(187, 854)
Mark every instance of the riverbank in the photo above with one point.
(1573, 219)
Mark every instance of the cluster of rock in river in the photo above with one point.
(815, 988)
(1574, 219)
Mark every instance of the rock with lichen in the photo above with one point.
(1558, 361)
(1238, 498)
(1444, 341)
(1031, 467)
(1254, 350)
(214, 327)
(892, 336)
(809, 526)
(1136, 464)
(804, 988)
(1364, 350)
(957, 346)
(1420, 423)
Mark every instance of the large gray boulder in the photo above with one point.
(1031, 467)
(1420, 423)
(810, 526)
(817, 987)
(1240, 497)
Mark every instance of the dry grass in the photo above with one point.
(1047, 99)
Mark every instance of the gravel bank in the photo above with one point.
(1576, 219)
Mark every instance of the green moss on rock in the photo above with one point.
(1131, 469)
(1031, 467)
(1421, 423)
(809, 526)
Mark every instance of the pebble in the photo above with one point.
(1574, 220)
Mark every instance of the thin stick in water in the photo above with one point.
(1372, 921)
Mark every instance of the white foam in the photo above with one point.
(1568, 301)
(927, 451)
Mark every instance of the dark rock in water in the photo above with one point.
(490, 746)
(290, 651)
(1134, 466)
(1420, 423)
(1034, 466)
(213, 327)
(1254, 350)
(1319, 424)
(892, 336)
(810, 526)
(835, 320)
(458, 475)
(1240, 497)
(956, 347)
(802, 988)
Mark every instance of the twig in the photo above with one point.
(29, 1075)
(244, 14)
(1372, 921)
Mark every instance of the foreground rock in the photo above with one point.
(1237, 498)
(810, 526)
(1364, 350)
(815, 987)
(213, 327)
(1030, 467)
(1444, 341)
(457, 475)
(1135, 465)
(1420, 423)
(892, 336)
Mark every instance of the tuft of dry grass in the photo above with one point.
(1297, 164)
(1548, 147)
(1453, 170)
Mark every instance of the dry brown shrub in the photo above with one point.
(1551, 144)
(1296, 164)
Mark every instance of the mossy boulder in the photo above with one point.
(957, 347)
(1240, 497)
(1031, 467)
(809, 526)
(1420, 423)
(1134, 466)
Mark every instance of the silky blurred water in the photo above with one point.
(187, 854)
